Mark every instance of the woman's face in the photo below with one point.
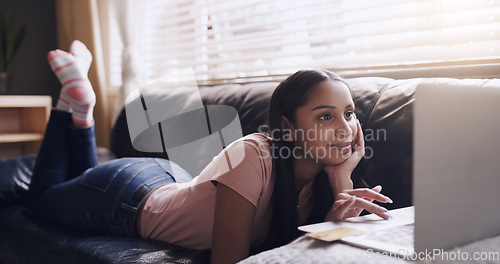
(326, 126)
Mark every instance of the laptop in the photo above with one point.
(456, 175)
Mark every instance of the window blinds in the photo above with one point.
(229, 39)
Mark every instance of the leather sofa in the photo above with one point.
(384, 107)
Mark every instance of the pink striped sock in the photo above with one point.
(77, 95)
(82, 55)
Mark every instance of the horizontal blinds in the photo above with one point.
(224, 39)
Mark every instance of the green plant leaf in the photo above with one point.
(2, 24)
(10, 48)
(10, 40)
(19, 39)
(3, 30)
(10, 36)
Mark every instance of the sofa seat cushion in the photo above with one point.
(112, 249)
(28, 239)
(15, 177)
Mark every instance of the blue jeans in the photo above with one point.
(68, 186)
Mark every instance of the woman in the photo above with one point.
(282, 181)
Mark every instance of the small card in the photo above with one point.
(335, 234)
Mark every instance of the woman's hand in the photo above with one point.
(358, 151)
(340, 175)
(351, 203)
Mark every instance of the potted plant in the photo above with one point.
(10, 40)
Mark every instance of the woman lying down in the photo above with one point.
(285, 179)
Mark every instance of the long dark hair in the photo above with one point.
(291, 94)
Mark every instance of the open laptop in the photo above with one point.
(456, 175)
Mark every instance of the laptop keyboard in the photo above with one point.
(399, 235)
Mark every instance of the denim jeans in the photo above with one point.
(68, 186)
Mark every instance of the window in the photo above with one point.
(261, 39)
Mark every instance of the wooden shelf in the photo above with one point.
(22, 123)
(25, 101)
(20, 137)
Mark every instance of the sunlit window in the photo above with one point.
(229, 39)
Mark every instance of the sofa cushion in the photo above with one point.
(106, 249)
(28, 239)
(388, 128)
(250, 100)
(15, 177)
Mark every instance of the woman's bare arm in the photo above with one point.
(232, 230)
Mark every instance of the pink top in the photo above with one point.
(183, 213)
